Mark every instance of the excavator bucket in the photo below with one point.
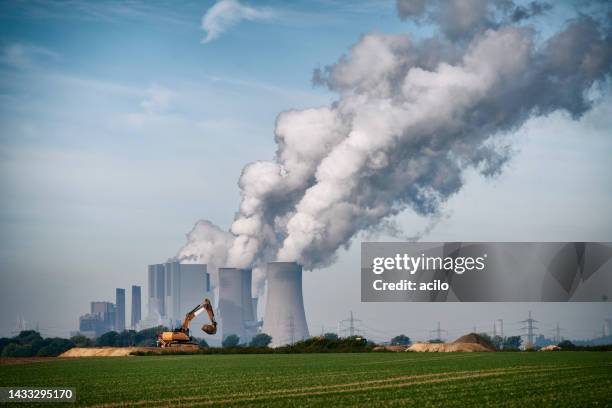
(209, 329)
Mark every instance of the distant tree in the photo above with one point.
(108, 339)
(28, 336)
(5, 341)
(17, 350)
(497, 342)
(81, 341)
(401, 340)
(261, 340)
(567, 345)
(37, 343)
(512, 343)
(148, 337)
(54, 347)
(436, 341)
(126, 338)
(486, 337)
(330, 336)
(203, 343)
(231, 340)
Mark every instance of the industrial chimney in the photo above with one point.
(284, 318)
(235, 305)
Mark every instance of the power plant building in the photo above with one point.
(136, 307)
(119, 310)
(186, 287)
(235, 308)
(157, 291)
(175, 289)
(285, 319)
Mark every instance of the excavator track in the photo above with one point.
(183, 347)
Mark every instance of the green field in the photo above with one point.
(366, 379)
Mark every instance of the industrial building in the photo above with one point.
(100, 320)
(237, 309)
(107, 316)
(91, 325)
(136, 307)
(285, 319)
(119, 310)
(174, 289)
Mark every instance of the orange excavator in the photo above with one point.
(180, 338)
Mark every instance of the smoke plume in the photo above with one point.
(411, 117)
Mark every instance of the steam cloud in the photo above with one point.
(411, 117)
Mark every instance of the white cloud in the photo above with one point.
(158, 99)
(25, 56)
(227, 13)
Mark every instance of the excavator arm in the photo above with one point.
(208, 328)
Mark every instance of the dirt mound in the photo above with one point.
(104, 351)
(473, 338)
(552, 347)
(448, 347)
(471, 342)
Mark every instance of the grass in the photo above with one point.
(554, 379)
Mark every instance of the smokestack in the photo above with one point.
(119, 310)
(285, 319)
(136, 306)
(235, 305)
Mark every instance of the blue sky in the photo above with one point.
(119, 128)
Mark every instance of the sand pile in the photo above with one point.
(447, 347)
(552, 347)
(469, 343)
(473, 338)
(104, 351)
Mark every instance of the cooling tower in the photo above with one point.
(235, 305)
(284, 318)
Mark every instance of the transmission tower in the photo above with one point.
(20, 326)
(348, 325)
(530, 330)
(438, 332)
(501, 327)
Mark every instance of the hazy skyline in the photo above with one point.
(121, 128)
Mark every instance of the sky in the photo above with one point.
(123, 123)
